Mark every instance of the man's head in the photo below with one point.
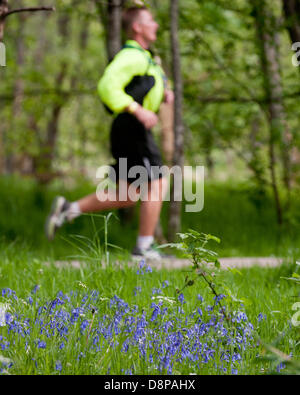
(138, 24)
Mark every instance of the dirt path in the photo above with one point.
(173, 263)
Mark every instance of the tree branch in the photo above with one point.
(30, 9)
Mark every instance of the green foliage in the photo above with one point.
(192, 246)
(24, 206)
(223, 87)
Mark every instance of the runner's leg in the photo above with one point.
(103, 201)
(151, 207)
(63, 211)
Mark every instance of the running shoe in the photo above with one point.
(150, 253)
(57, 216)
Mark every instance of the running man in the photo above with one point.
(133, 87)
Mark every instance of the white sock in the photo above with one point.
(73, 211)
(144, 242)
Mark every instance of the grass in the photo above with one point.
(93, 298)
(243, 218)
(253, 291)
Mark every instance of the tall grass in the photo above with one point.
(243, 218)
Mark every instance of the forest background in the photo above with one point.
(233, 66)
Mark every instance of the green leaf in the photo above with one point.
(217, 264)
(234, 271)
(182, 235)
(211, 237)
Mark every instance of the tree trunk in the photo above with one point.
(83, 41)
(267, 33)
(15, 162)
(292, 17)
(43, 163)
(178, 157)
(5, 12)
(291, 10)
(114, 28)
(111, 19)
(166, 115)
(254, 163)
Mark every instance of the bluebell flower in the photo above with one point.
(58, 366)
(80, 355)
(180, 310)
(134, 309)
(41, 344)
(125, 346)
(35, 289)
(165, 284)
(4, 345)
(156, 291)
(7, 292)
(141, 267)
(280, 367)
(164, 343)
(35, 362)
(84, 325)
(137, 290)
(181, 298)
(219, 298)
(199, 297)
(236, 357)
(155, 313)
(261, 317)
(148, 269)
(75, 315)
(142, 264)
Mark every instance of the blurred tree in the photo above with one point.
(51, 116)
(178, 155)
(292, 18)
(268, 41)
(43, 162)
(110, 13)
(7, 162)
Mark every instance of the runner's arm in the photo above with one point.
(117, 76)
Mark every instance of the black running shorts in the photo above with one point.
(131, 140)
